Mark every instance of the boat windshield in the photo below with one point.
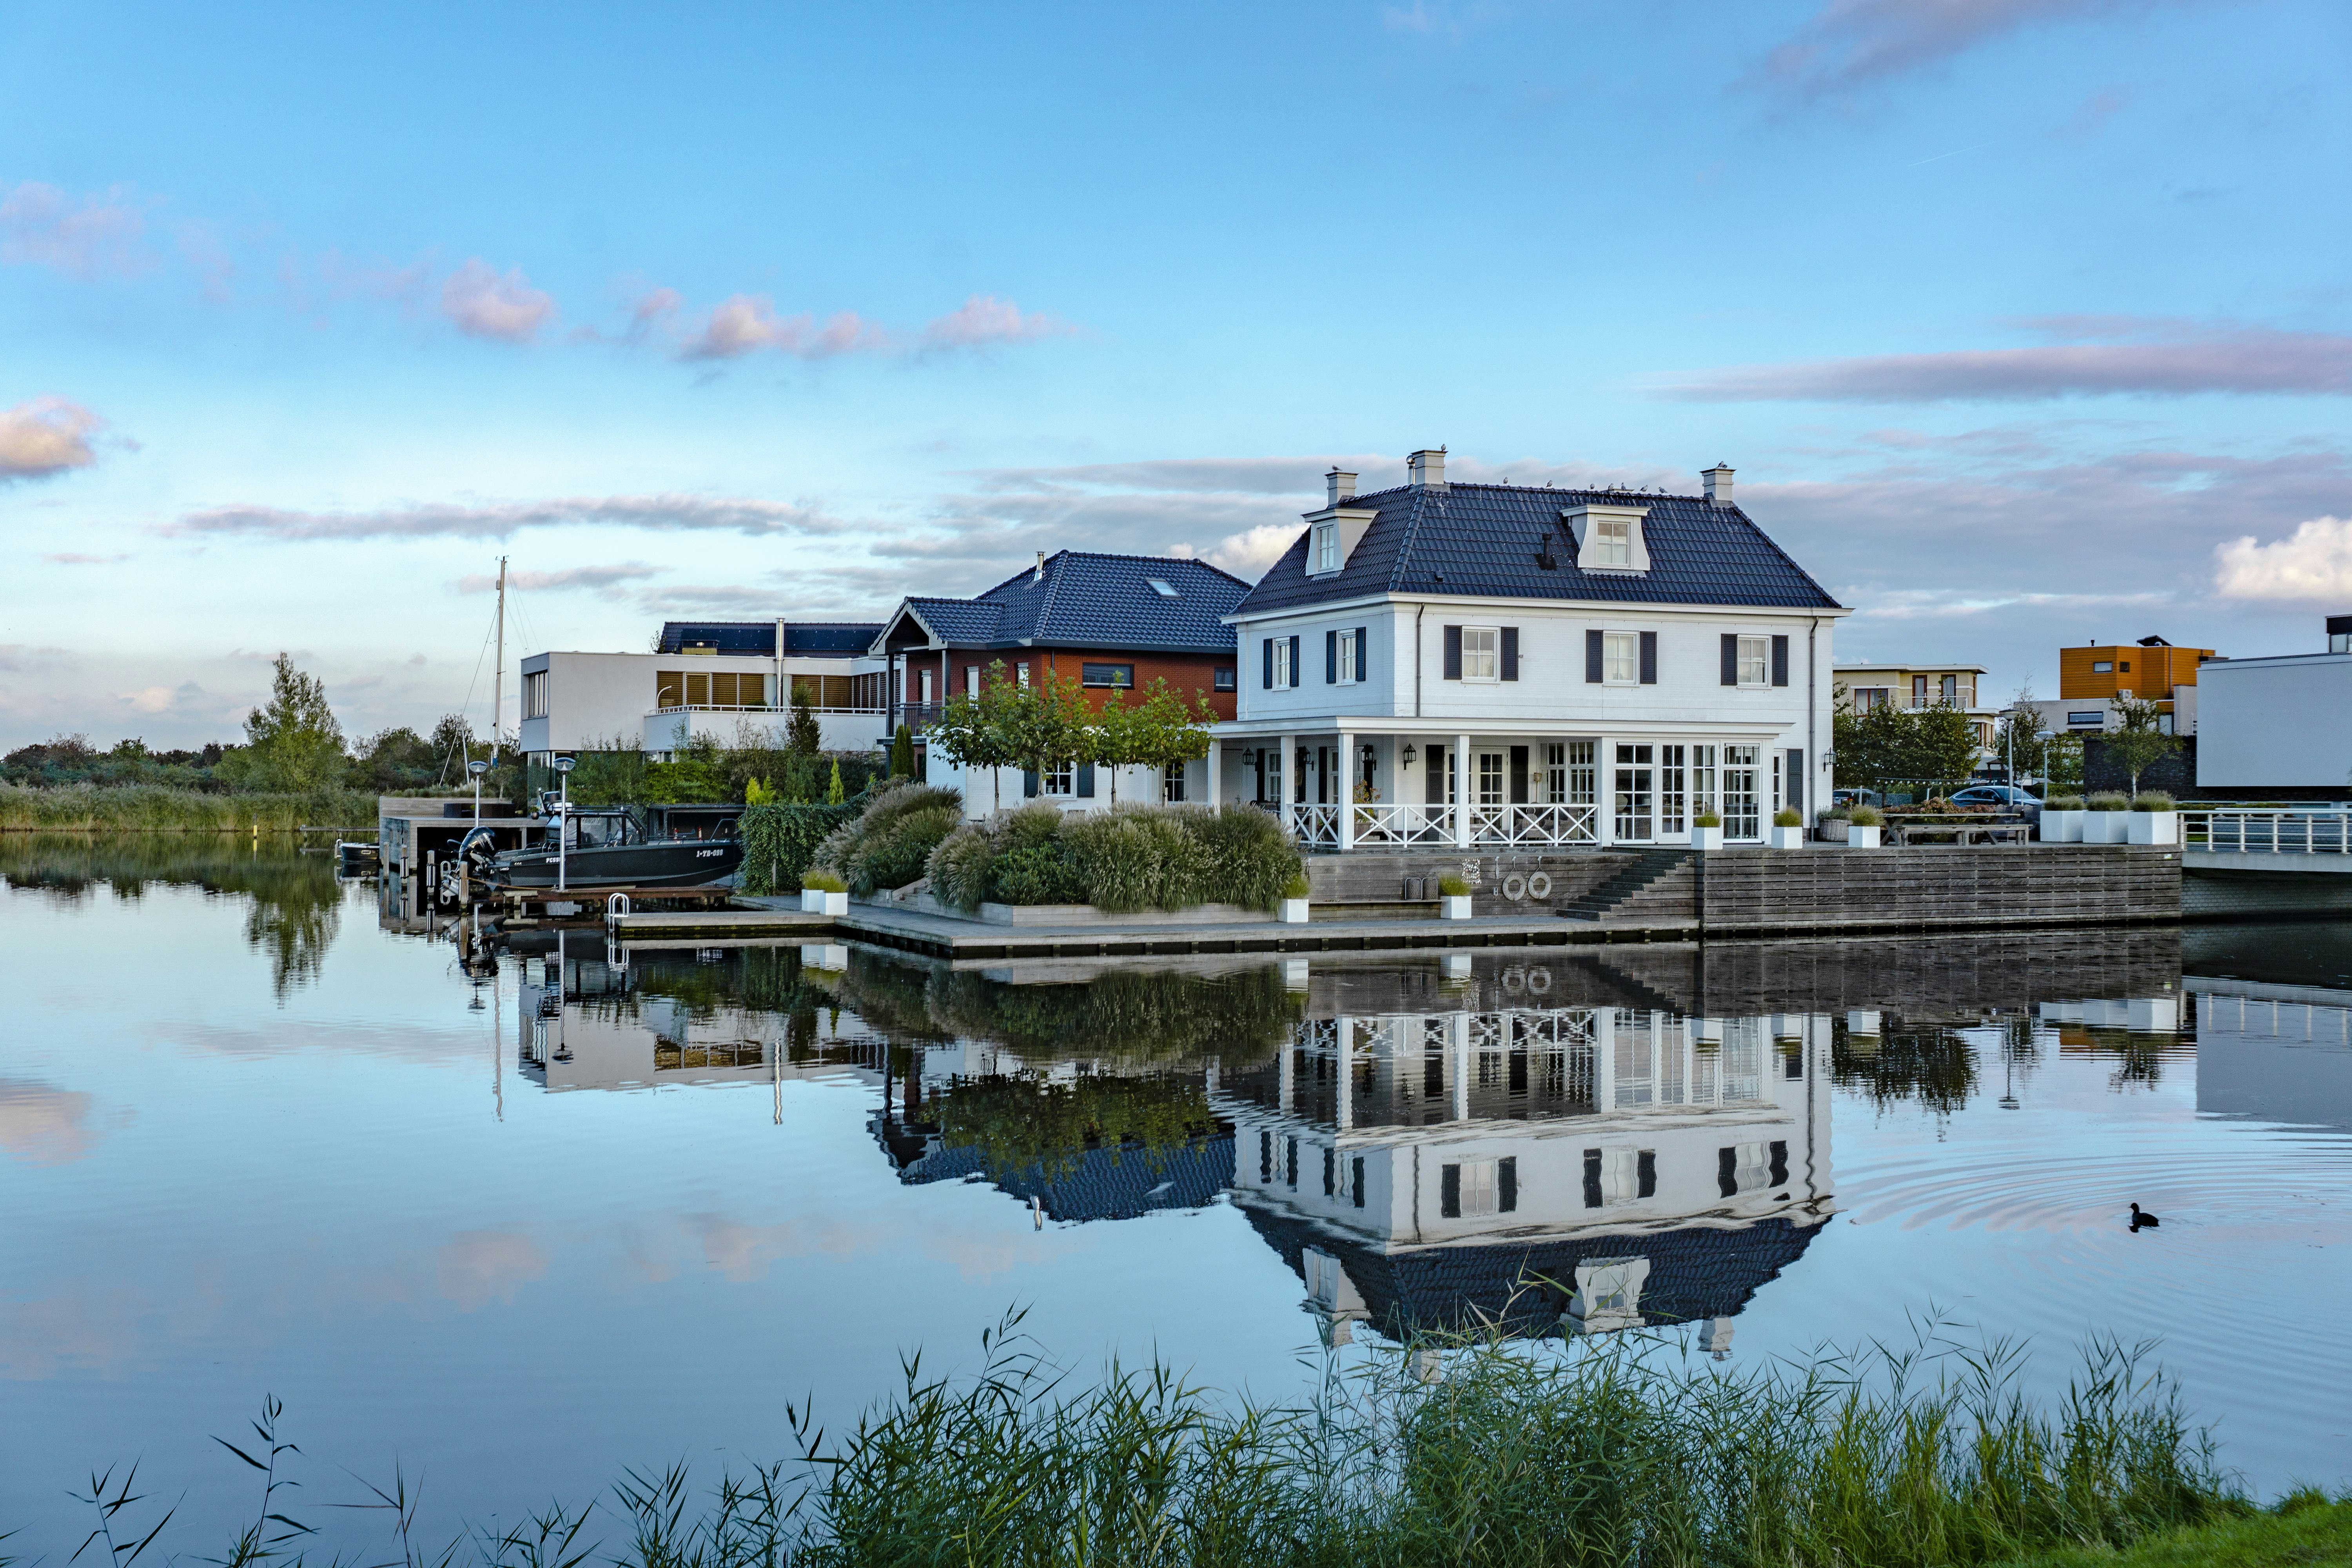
(603, 829)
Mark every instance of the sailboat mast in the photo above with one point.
(499, 672)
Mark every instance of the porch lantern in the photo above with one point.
(1371, 760)
(1411, 752)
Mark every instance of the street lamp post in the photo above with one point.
(478, 767)
(564, 766)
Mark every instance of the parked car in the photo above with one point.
(2005, 797)
(1852, 797)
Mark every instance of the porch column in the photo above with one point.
(1217, 775)
(1605, 784)
(1457, 1034)
(1347, 1065)
(1346, 790)
(1282, 765)
(1461, 792)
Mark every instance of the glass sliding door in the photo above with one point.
(1636, 783)
(1672, 787)
(1741, 818)
(1703, 781)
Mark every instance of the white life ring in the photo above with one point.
(1515, 887)
(1539, 884)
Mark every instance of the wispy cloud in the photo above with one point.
(984, 319)
(75, 558)
(746, 324)
(45, 435)
(1850, 45)
(42, 1124)
(2169, 358)
(667, 514)
(2313, 564)
(83, 237)
(589, 577)
(483, 302)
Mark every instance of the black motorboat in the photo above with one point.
(610, 846)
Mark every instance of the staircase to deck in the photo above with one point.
(1639, 888)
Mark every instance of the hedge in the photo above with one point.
(1125, 858)
(779, 842)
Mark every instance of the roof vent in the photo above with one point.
(1339, 485)
(1427, 467)
(1718, 483)
(1041, 567)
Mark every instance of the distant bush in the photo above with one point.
(1788, 816)
(2152, 800)
(2107, 800)
(887, 843)
(779, 842)
(1125, 858)
(134, 808)
(2062, 802)
(1866, 815)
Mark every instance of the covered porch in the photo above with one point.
(1348, 788)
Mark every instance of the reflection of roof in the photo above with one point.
(1098, 1184)
(1695, 1271)
(1088, 600)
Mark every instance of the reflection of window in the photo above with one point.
(1478, 644)
(534, 695)
(1223, 679)
(1120, 677)
(1621, 657)
(1467, 1190)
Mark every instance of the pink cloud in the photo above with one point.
(745, 323)
(42, 226)
(984, 319)
(1850, 44)
(482, 302)
(45, 435)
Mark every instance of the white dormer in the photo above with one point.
(1608, 537)
(1333, 533)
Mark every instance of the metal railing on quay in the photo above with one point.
(2268, 832)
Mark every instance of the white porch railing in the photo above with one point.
(1534, 825)
(2267, 832)
(1317, 825)
(1394, 822)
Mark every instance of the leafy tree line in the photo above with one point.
(1880, 745)
(1047, 724)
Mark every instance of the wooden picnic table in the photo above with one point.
(1992, 827)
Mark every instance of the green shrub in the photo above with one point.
(1453, 886)
(157, 809)
(1136, 857)
(1838, 814)
(1788, 816)
(2108, 800)
(2062, 802)
(779, 842)
(1296, 888)
(2152, 800)
(886, 845)
(822, 882)
(1866, 816)
(959, 868)
(1250, 858)
(1706, 819)
(1125, 858)
(1037, 874)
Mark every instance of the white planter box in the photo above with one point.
(2106, 826)
(1857, 836)
(2062, 826)
(1706, 837)
(817, 901)
(2154, 826)
(1294, 911)
(1454, 907)
(1787, 837)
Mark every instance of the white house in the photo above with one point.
(707, 678)
(1499, 665)
(2279, 723)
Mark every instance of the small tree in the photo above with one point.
(2020, 742)
(972, 732)
(801, 731)
(296, 742)
(902, 755)
(1047, 723)
(2140, 744)
(833, 794)
(1941, 745)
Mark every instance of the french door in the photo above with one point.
(1636, 783)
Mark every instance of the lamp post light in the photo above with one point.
(478, 767)
(564, 766)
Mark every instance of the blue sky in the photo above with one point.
(2024, 321)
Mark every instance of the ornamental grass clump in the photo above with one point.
(2152, 800)
(1123, 859)
(1866, 816)
(886, 845)
(2063, 803)
(1136, 858)
(2108, 800)
(1788, 816)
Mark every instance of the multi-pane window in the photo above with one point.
(1636, 791)
(1223, 680)
(1702, 777)
(1326, 547)
(1061, 779)
(1119, 677)
(1345, 660)
(534, 695)
(1673, 784)
(1568, 773)
(1478, 657)
(1621, 657)
(1755, 661)
(1281, 661)
(1171, 784)
(1613, 542)
(1741, 818)
(1490, 778)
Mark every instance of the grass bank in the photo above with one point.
(2305, 1530)
(157, 809)
(1621, 1450)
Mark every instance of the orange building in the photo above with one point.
(2149, 667)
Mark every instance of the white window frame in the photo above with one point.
(1061, 782)
(971, 681)
(1171, 784)
(1613, 542)
(534, 694)
(1482, 664)
(1347, 674)
(1281, 663)
(1021, 673)
(1621, 659)
(1755, 660)
(1323, 549)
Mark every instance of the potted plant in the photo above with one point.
(822, 893)
(2062, 819)
(1787, 828)
(1707, 831)
(1453, 898)
(1862, 827)
(2153, 820)
(2107, 820)
(1294, 901)
(1834, 822)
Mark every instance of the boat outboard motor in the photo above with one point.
(478, 849)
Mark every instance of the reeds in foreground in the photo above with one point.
(1470, 1449)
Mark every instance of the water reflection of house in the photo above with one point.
(1422, 1169)
(2273, 1052)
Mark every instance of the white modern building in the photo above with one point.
(709, 678)
(2278, 723)
(1497, 665)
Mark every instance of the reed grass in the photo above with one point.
(158, 808)
(1476, 1449)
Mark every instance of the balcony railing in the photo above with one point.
(2268, 832)
(1402, 824)
(745, 708)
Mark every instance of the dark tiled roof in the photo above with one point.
(1483, 540)
(1695, 1271)
(1099, 1184)
(806, 640)
(1086, 600)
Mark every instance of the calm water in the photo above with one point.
(520, 1224)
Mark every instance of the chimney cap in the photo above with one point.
(1426, 467)
(1717, 481)
(1338, 485)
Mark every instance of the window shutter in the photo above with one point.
(1453, 653)
(1449, 1191)
(1781, 661)
(1295, 673)
(1266, 648)
(1360, 634)
(1649, 659)
(1730, 658)
(1726, 1172)
(1506, 1185)
(1029, 782)
(1645, 1172)
(1592, 1178)
(1085, 780)
(1331, 657)
(1510, 653)
(1357, 1171)
(1592, 658)
(1434, 776)
(1796, 780)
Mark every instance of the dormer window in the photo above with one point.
(1608, 537)
(1612, 543)
(1323, 548)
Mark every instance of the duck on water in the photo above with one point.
(615, 846)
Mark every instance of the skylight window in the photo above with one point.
(1162, 589)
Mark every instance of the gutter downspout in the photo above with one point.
(1418, 612)
(1813, 709)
